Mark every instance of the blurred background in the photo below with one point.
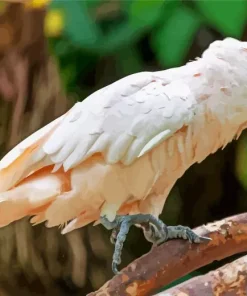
(54, 53)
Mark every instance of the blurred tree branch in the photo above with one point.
(174, 259)
(231, 278)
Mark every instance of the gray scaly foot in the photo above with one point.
(155, 231)
(156, 237)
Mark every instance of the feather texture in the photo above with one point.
(122, 149)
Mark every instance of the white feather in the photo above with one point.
(18, 150)
(122, 131)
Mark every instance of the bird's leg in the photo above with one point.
(121, 226)
(149, 230)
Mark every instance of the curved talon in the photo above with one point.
(205, 239)
(113, 237)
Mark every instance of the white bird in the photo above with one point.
(114, 157)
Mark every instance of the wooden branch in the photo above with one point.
(231, 279)
(174, 259)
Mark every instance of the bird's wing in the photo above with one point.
(122, 121)
(17, 151)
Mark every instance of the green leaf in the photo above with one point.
(145, 12)
(79, 26)
(227, 16)
(123, 35)
(173, 39)
(94, 3)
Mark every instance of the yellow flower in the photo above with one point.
(3, 6)
(37, 3)
(54, 23)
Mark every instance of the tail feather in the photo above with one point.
(30, 197)
(38, 219)
(64, 208)
(80, 221)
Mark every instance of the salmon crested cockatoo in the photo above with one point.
(113, 158)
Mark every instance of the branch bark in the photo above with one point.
(230, 279)
(174, 259)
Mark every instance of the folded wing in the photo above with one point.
(122, 121)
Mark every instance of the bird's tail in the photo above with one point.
(31, 197)
(47, 197)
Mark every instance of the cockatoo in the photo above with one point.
(114, 157)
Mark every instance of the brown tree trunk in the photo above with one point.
(30, 87)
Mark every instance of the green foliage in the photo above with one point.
(79, 27)
(101, 28)
(145, 13)
(173, 39)
(228, 16)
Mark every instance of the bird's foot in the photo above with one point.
(121, 226)
(152, 234)
(155, 231)
(156, 237)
